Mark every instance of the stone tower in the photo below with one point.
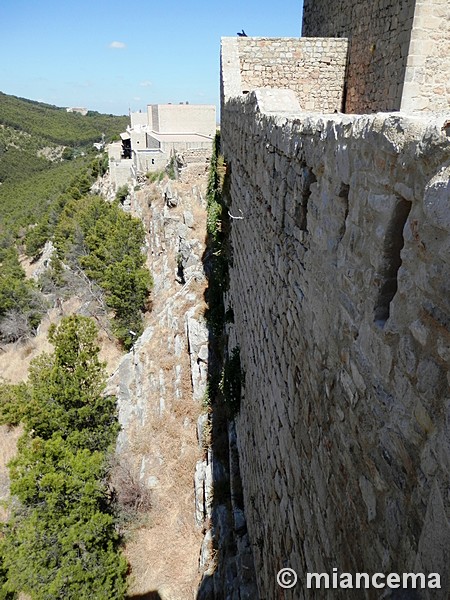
(399, 52)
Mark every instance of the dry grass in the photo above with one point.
(15, 358)
(163, 554)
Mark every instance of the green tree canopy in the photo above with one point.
(66, 389)
(107, 244)
(61, 541)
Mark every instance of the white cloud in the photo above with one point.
(117, 45)
(145, 83)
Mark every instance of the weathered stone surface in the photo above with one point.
(188, 218)
(170, 197)
(428, 59)
(433, 554)
(203, 490)
(44, 260)
(379, 32)
(399, 54)
(339, 288)
(437, 200)
(197, 336)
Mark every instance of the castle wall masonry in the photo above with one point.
(339, 284)
(313, 68)
(399, 51)
(379, 33)
(426, 78)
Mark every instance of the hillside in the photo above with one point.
(56, 125)
(42, 150)
(47, 195)
(38, 178)
(25, 200)
(21, 152)
(157, 455)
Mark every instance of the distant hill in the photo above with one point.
(56, 125)
(42, 150)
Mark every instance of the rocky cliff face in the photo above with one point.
(160, 385)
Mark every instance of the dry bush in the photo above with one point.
(132, 495)
(14, 327)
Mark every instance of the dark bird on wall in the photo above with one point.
(242, 34)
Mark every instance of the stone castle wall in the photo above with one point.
(313, 68)
(339, 283)
(379, 34)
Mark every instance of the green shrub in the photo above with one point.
(19, 299)
(61, 540)
(155, 176)
(67, 389)
(171, 168)
(122, 193)
(107, 244)
(30, 200)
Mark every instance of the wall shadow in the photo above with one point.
(216, 271)
(233, 572)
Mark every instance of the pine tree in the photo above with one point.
(61, 540)
(67, 389)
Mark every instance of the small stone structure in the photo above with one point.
(76, 109)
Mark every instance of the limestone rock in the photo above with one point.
(197, 335)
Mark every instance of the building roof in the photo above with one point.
(179, 137)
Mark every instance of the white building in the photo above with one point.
(156, 135)
(77, 109)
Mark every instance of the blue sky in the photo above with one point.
(110, 56)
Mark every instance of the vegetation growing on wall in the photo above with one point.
(217, 224)
(61, 540)
(225, 377)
